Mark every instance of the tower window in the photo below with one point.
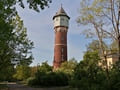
(62, 58)
(62, 19)
(56, 19)
(62, 50)
(66, 20)
(62, 38)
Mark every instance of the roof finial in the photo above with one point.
(61, 5)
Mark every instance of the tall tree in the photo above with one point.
(103, 17)
(12, 45)
(15, 48)
(22, 45)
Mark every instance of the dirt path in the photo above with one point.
(14, 86)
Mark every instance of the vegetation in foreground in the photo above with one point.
(3, 87)
(85, 75)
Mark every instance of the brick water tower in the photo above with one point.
(61, 23)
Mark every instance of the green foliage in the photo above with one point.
(15, 47)
(115, 76)
(37, 4)
(100, 18)
(22, 44)
(3, 87)
(114, 47)
(50, 79)
(6, 74)
(95, 46)
(22, 72)
(88, 75)
(45, 67)
(45, 77)
(14, 44)
(68, 67)
(90, 11)
(33, 70)
(6, 36)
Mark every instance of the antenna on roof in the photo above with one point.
(61, 5)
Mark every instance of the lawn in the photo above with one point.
(3, 87)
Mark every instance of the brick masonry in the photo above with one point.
(60, 46)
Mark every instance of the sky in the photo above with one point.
(41, 31)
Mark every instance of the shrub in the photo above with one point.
(49, 79)
(30, 80)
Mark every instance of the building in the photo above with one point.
(61, 24)
(111, 58)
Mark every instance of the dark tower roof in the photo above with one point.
(61, 12)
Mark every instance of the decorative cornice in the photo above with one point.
(60, 30)
(60, 44)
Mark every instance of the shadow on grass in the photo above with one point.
(3, 87)
(55, 88)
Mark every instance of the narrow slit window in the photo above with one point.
(62, 50)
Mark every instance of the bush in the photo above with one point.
(22, 72)
(30, 80)
(88, 75)
(49, 79)
(74, 83)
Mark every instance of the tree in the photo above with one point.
(113, 47)
(35, 4)
(45, 77)
(68, 66)
(22, 45)
(22, 72)
(88, 74)
(34, 70)
(95, 46)
(45, 67)
(8, 26)
(114, 76)
(8, 35)
(15, 46)
(103, 17)
(6, 74)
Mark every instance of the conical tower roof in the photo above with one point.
(61, 12)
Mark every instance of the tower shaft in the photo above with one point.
(60, 46)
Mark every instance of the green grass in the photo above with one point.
(3, 87)
(57, 88)
(60, 88)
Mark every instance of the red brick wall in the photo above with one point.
(60, 46)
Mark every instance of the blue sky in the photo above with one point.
(41, 31)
